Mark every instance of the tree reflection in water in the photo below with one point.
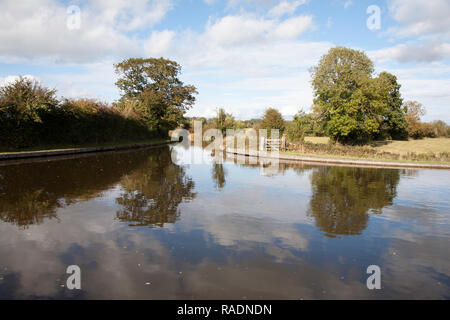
(343, 197)
(152, 193)
(218, 175)
(31, 192)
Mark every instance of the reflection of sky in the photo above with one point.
(252, 239)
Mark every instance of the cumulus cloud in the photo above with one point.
(420, 18)
(293, 27)
(285, 7)
(235, 30)
(425, 52)
(38, 29)
(159, 42)
(242, 29)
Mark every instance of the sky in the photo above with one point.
(242, 55)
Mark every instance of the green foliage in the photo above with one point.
(350, 103)
(30, 115)
(297, 128)
(25, 99)
(154, 89)
(22, 104)
(273, 120)
(224, 121)
(89, 121)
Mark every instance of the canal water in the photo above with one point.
(141, 226)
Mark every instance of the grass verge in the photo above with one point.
(431, 151)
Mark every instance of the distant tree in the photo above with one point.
(160, 95)
(298, 127)
(440, 128)
(224, 121)
(350, 103)
(414, 111)
(273, 120)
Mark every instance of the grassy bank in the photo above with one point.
(89, 145)
(430, 150)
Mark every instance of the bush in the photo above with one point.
(90, 121)
(21, 105)
(30, 115)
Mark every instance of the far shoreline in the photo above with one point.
(326, 159)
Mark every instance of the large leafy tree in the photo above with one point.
(352, 104)
(152, 86)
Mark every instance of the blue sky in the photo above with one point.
(243, 55)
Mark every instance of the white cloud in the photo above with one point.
(419, 18)
(293, 27)
(12, 78)
(348, 3)
(432, 93)
(159, 42)
(235, 30)
(285, 7)
(38, 29)
(425, 52)
(244, 30)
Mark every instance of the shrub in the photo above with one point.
(22, 104)
(30, 115)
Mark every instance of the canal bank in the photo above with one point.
(335, 161)
(81, 150)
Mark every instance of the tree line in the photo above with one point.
(351, 105)
(153, 101)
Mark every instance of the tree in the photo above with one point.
(393, 122)
(351, 103)
(414, 111)
(224, 121)
(441, 128)
(273, 120)
(160, 95)
(297, 128)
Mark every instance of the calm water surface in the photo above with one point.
(140, 226)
